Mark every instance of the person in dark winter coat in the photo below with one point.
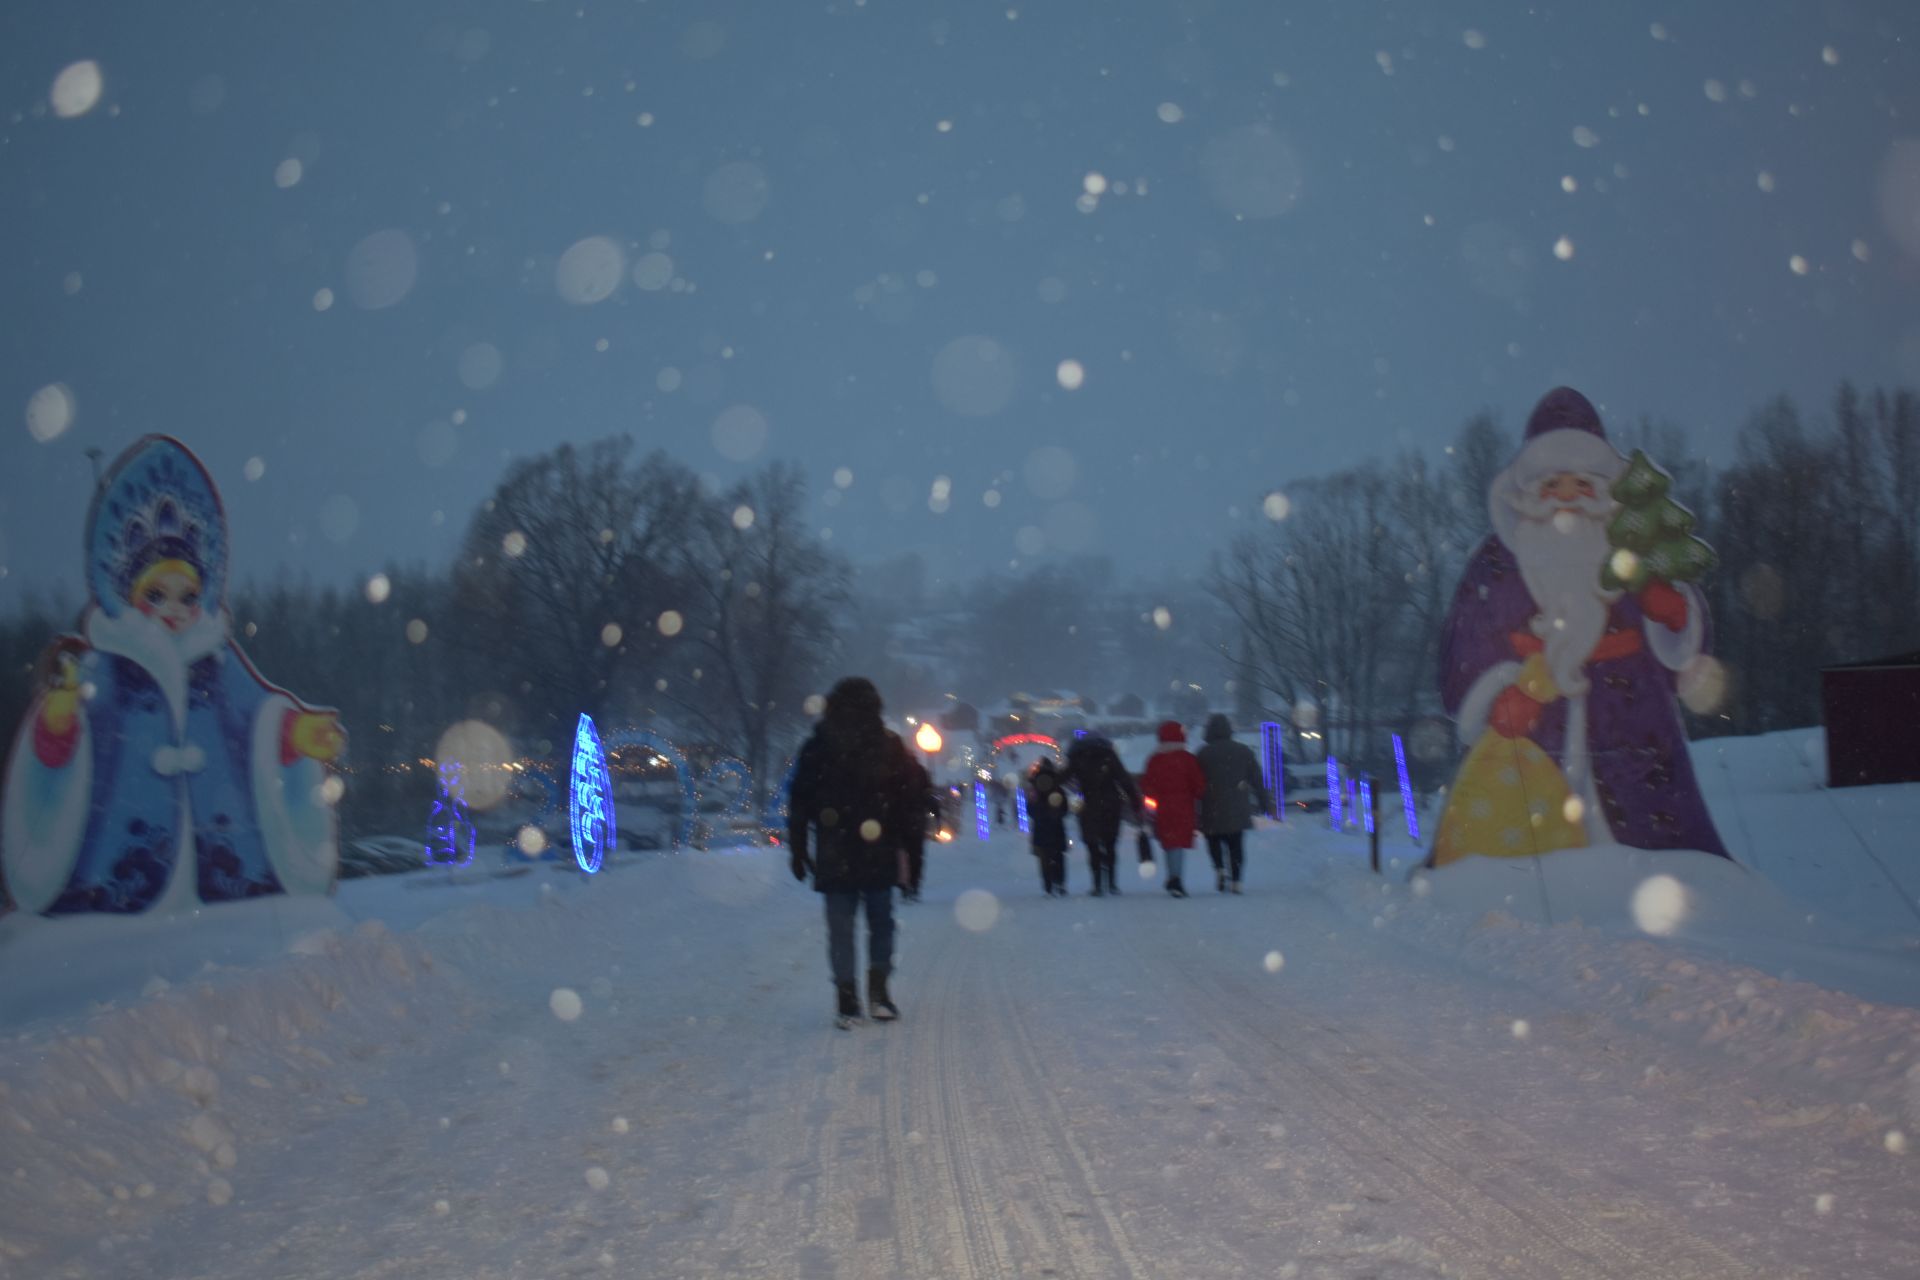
(1235, 792)
(856, 793)
(1107, 794)
(1174, 785)
(1047, 825)
(915, 836)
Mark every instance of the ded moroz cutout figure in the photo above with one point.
(1573, 626)
(156, 769)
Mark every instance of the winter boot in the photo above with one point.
(1236, 886)
(878, 1000)
(849, 1010)
(1174, 890)
(1220, 881)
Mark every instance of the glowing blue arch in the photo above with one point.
(774, 816)
(647, 738)
(590, 807)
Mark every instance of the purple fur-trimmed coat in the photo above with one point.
(1642, 773)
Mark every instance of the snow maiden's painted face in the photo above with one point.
(169, 593)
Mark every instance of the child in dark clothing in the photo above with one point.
(1047, 825)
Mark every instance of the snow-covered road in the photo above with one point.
(1258, 1086)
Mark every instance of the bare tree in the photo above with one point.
(769, 597)
(565, 573)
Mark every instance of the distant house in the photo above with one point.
(1872, 713)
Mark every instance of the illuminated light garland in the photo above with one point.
(689, 798)
(981, 826)
(1273, 764)
(774, 816)
(590, 799)
(1366, 804)
(1406, 790)
(1333, 790)
(448, 823)
(1352, 817)
(1020, 809)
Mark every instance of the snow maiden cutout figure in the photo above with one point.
(1559, 660)
(157, 769)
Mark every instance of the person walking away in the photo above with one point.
(1235, 792)
(1174, 785)
(855, 794)
(1047, 825)
(1107, 794)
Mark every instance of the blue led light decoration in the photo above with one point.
(591, 799)
(1273, 767)
(1406, 790)
(1020, 810)
(1365, 804)
(774, 816)
(1333, 791)
(982, 826)
(670, 754)
(451, 839)
(1353, 798)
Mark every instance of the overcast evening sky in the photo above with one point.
(337, 248)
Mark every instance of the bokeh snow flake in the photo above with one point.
(611, 635)
(77, 89)
(381, 270)
(590, 271)
(670, 623)
(1521, 1029)
(1170, 113)
(973, 376)
(1563, 248)
(50, 411)
(1071, 374)
(1162, 617)
(1798, 265)
(976, 910)
(1252, 172)
(1823, 1203)
(288, 173)
(1660, 905)
(597, 1178)
(1585, 137)
(322, 299)
(482, 754)
(379, 587)
(739, 433)
(1273, 962)
(1276, 506)
(736, 193)
(566, 1004)
(514, 544)
(652, 271)
(1896, 1142)
(480, 365)
(620, 1124)
(743, 517)
(1050, 472)
(417, 631)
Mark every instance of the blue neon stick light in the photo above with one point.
(591, 803)
(1406, 791)
(1333, 791)
(981, 827)
(451, 839)
(1366, 804)
(1020, 808)
(1274, 765)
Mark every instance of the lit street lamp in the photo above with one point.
(928, 740)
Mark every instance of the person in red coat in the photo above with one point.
(1173, 785)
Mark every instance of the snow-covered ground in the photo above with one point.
(1494, 1072)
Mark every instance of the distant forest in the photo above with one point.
(595, 579)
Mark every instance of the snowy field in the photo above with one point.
(1333, 1077)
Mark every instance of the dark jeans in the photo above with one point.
(1228, 851)
(841, 909)
(1101, 857)
(1053, 869)
(916, 867)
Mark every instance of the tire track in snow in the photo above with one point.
(1495, 1212)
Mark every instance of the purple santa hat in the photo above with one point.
(1564, 434)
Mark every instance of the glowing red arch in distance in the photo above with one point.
(1025, 740)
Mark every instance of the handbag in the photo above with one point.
(1144, 843)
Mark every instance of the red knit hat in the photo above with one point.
(1170, 731)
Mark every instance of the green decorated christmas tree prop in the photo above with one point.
(1652, 535)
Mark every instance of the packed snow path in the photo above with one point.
(1136, 1087)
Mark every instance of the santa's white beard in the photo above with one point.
(1560, 558)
